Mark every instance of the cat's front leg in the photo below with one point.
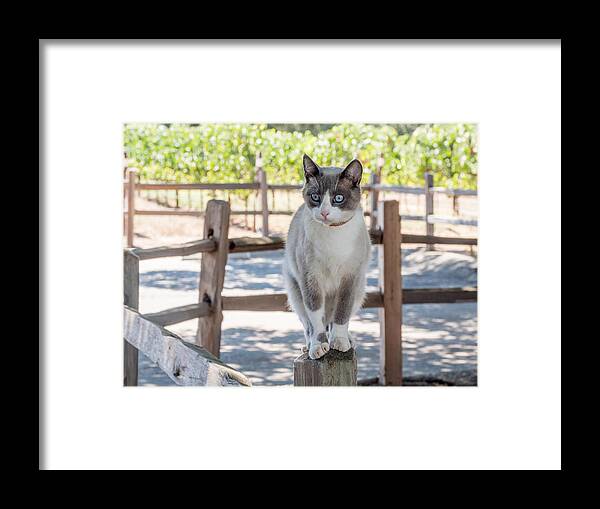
(340, 338)
(314, 303)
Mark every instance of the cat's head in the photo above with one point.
(332, 194)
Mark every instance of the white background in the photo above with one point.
(512, 420)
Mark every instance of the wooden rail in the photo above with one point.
(184, 363)
(261, 186)
(180, 314)
(253, 244)
(212, 187)
(278, 301)
(186, 249)
(200, 213)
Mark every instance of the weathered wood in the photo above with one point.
(194, 213)
(429, 226)
(184, 363)
(264, 196)
(408, 238)
(333, 369)
(212, 274)
(390, 317)
(431, 220)
(131, 175)
(186, 249)
(290, 187)
(285, 187)
(214, 187)
(374, 181)
(131, 284)
(180, 314)
(395, 189)
(200, 213)
(439, 295)
(454, 192)
(250, 244)
(278, 301)
(433, 239)
(265, 302)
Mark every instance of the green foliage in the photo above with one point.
(211, 153)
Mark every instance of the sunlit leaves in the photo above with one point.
(226, 152)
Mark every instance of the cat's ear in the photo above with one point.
(353, 172)
(310, 168)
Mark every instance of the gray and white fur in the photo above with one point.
(326, 256)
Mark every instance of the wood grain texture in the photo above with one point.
(267, 302)
(390, 317)
(131, 176)
(186, 249)
(180, 314)
(264, 200)
(251, 244)
(184, 363)
(131, 284)
(374, 180)
(212, 275)
(433, 239)
(278, 301)
(201, 213)
(333, 369)
(429, 226)
(163, 187)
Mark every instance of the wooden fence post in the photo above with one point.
(390, 284)
(374, 180)
(131, 175)
(429, 206)
(333, 369)
(264, 195)
(212, 274)
(131, 284)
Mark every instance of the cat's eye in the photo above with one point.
(338, 198)
(315, 197)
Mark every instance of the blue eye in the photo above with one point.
(338, 198)
(315, 197)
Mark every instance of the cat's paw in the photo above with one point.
(341, 344)
(318, 347)
(317, 350)
(352, 341)
(304, 349)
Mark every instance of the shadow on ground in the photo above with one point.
(437, 338)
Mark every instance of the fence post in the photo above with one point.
(333, 369)
(212, 274)
(429, 206)
(264, 196)
(390, 284)
(131, 284)
(131, 175)
(374, 180)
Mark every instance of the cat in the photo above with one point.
(326, 256)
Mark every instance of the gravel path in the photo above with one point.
(440, 340)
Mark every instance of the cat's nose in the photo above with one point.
(324, 214)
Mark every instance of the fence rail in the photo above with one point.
(262, 187)
(209, 309)
(184, 363)
(252, 244)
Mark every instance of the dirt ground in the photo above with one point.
(439, 340)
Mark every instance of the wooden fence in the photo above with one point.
(374, 187)
(215, 247)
